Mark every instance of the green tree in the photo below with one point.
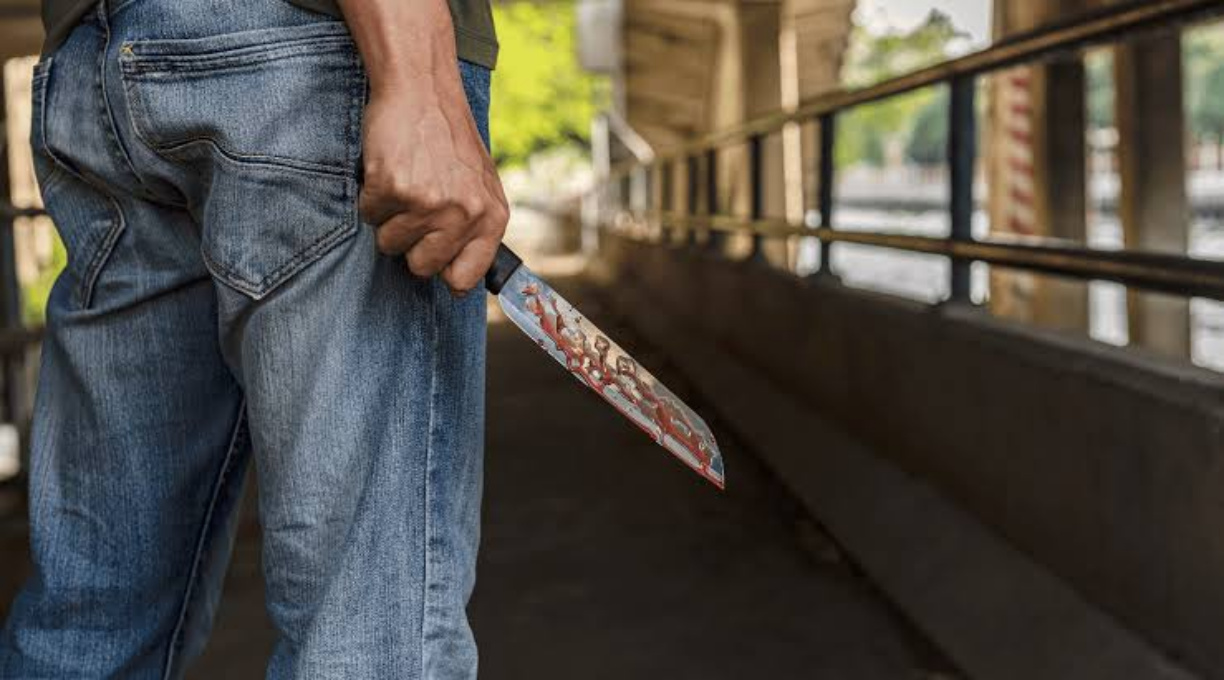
(1207, 111)
(871, 58)
(542, 97)
(928, 140)
(1099, 74)
(35, 293)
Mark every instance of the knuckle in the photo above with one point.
(374, 176)
(395, 186)
(494, 231)
(426, 261)
(459, 284)
(400, 189)
(420, 266)
(378, 187)
(384, 245)
(427, 199)
(462, 281)
(500, 216)
(473, 207)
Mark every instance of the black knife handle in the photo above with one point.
(504, 266)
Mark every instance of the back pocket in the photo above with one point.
(267, 124)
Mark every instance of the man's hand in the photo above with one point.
(430, 186)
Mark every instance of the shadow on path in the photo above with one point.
(605, 558)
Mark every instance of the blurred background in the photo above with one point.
(945, 276)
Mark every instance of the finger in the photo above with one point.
(399, 234)
(376, 207)
(469, 267)
(433, 252)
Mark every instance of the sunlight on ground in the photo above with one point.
(10, 452)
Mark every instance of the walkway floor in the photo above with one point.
(605, 559)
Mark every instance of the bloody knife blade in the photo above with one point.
(601, 365)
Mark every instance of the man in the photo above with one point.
(238, 184)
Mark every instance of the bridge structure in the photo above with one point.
(1040, 504)
(958, 486)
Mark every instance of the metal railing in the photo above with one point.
(1174, 274)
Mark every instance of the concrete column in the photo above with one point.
(761, 60)
(812, 44)
(1152, 167)
(1060, 193)
(1038, 177)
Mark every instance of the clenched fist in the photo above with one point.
(430, 187)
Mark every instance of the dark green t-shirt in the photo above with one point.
(474, 32)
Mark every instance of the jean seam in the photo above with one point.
(164, 66)
(85, 290)
(153, 51)
(322, 244)
(169, 150)
(116, 148)
(202, 541)
(260, 289)
(176, 148)
(427, 586)
(82, 292)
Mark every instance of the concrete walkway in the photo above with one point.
(605, 559)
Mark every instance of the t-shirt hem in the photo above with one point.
(476, 48)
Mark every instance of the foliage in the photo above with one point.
(872, 58)
(34, 294)
(1207, 111)
(928, 140)
(864, 132)
(1099, 76)
(542, 98)
(1204, 72)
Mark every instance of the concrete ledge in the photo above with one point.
(1101, 469)
(997, 614)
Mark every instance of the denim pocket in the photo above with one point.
(88, 221)
(268, 125)
(45, 170)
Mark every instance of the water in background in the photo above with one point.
(925, 277)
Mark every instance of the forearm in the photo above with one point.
(429, 185)
(404, 43)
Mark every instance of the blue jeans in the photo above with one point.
(224, 302)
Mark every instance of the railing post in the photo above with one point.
(666, 200)
(639, 193)
(624, 193)
(645, 200)
(962, 157)
(826, 178)
(10, 309)
(692, 167)
(714, 240)
(756, 181)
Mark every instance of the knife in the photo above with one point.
(601, 365)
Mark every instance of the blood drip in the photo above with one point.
(591, 365)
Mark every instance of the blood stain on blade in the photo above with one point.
(588, 355)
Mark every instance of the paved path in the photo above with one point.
(605, 559)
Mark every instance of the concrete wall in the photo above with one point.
(1106, 466)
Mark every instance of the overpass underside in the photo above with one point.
(1040, 504)
(603, 558)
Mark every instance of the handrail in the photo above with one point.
(1100, 26)
(1169, 273)
(1175, 274)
